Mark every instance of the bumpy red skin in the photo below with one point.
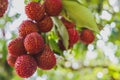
(16, 47)
(25, 66)
(53, 7)
(27, 27)
(11, 60)
(35, 11)
(46, 24)
(87, 36)
(73, 37)
(3, 7)
(67, 23)
(46, 60)
(34, 43)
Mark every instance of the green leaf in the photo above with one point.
(27, 1)
(79, 14)
(63, 31)
(54, 46)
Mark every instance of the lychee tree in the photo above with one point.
(60, 39)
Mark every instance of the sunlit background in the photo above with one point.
(97, 61)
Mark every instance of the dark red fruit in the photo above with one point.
(46, 60)
(60, 44)
(35, 11)
(11, 60)
(87, 36)
(34, 43)
(46, 24)
(73, 37)
(3, 7)
(53, 7)
(16, 47)
(27, 27)
(25, 66)
(67, 23)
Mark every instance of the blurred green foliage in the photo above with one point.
(82, 62)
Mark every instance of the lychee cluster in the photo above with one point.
(29, 50)
(3, 7)
(25, 54)
(86, 36)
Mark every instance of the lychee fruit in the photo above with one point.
(46, 24)
(34, 43)
(3, 7)
(35, 11)
(27, 27)
(16, 47)
(87, 36)
(11, 60)
(68, 24)
(73, 37)
(25, 66)
(46, 60)
(53, 7)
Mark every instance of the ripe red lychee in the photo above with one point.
(35, 11)
(67, 23)
(87, 36)
(46, 60)
(3, 7)
(73, 37)
(46, 24)
(27, 27)
(53, 7)
(11, 60)
(34, 43)
(25, 66)
(16, 47)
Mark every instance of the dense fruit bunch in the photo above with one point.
(30, 49)
(3, 7)
(22, 52)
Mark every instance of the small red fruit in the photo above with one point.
(35, 11)
(73, 37)
(3, 7)
(46, 60)
(11, 60)
(46, 24)
(25, 66)
(53, 7)
(67, 23)
(87, 36)
(27, 27)
(16, 47)
(34, 43)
